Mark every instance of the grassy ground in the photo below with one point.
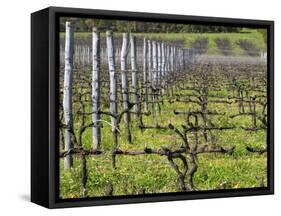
(251, 35)
(154, 173)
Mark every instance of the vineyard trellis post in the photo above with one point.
(113, 90)
(145, 75)
(125, 85)
(149, 68)
(135, 76)
(172, 64)
(67, 94)
(163, 66)
(96, 89)
(172, 59)
(154, 76)
(167, 68)
(159, 76)
(159, 68)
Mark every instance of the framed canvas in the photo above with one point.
(137, 107)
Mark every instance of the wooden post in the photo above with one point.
(84, 55)
(167, 69)
(163, 67)
(135, 88)
(172, 72)
(168, 58)
(67, 93)
(88, 56)
(150, 69)
(159, 76)
(79, 55)
(162, 58)
(112, 78)
(149, 58)
(172, 59)
(183, 59)
(154, 76)
(75, 57)
(124, 84)
(175, 58)
(96, 88)
(154, 65)
(145, 74)
(112, 91)
(159, 68)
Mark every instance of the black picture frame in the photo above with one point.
(44, 107)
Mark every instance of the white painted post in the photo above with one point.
(150, 69)
(88, 56)
(145, 74)
(163, 67)
(82, 55)
(154, 76)
(96, 88)
(135, 76)
(124, 83)
(159, 68)
(112, 78)
(149, 59)
(154, 65)
(159, 75)
(67, 93)
(75, 62)
(112, 91)
(168, 60)
(172, 59)
(163, 59)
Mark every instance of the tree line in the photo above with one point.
(85, 25)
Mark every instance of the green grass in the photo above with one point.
(251, 35)
(153, 172)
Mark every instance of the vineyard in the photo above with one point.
(143, 116)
